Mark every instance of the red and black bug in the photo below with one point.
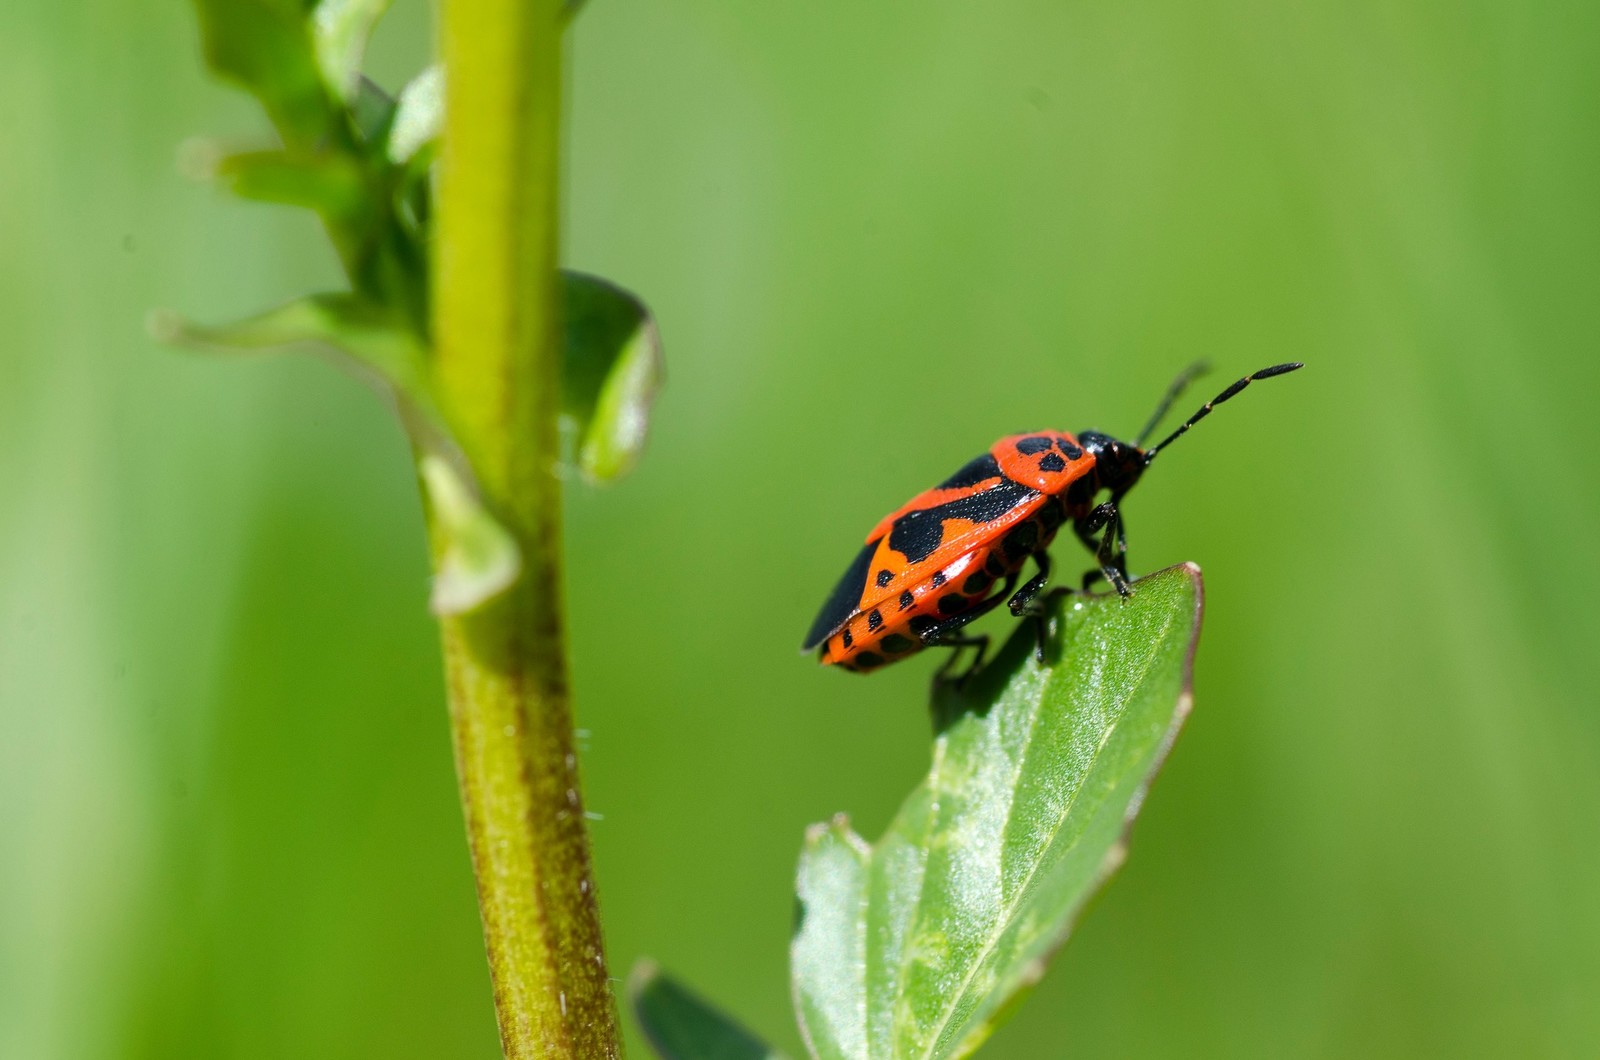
(954, 552)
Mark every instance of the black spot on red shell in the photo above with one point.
(1052, 462)
(976, 583)
(921, 624)
(937, 580)
(846, 639)
(906, 600)
(1034, 443)
(994, 564)
(867, 660)
(897, 644)
(1072, 451)
(952, 603)
(875, 620)
(885, 576)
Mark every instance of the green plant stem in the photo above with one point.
(497, 335)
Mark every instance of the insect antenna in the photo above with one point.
(1175, 391)
(1205, 410)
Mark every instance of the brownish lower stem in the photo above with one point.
(512, 723)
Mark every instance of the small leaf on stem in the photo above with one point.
(610, 373)
(359, 337)
(331, 184)
(480, 558)
(265, 47)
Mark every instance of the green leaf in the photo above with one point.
(265, 47)
(610, 374)
(919, 945)
(480, 558)
(360, 337)
(341, 29)
(330, 183)
(682, 1026)
(419, 115)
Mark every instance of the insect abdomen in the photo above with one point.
(896, 627)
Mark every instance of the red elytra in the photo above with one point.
(954, 552)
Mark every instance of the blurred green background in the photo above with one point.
(876, 237)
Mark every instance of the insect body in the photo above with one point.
(954, 552)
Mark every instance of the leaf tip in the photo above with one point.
(816, 833)
(199, 158)
(164, 325)
(836, 828)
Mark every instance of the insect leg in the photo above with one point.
(956, 642)
(1027, 602)
(947, 632)
(1086, 535)
(1021, 602)
(936, 633)
(1112, 563)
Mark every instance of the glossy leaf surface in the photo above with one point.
(916, 946)
(610, 374)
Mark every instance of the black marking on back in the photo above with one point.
(875, 620)
(917, 533)
(972, 472)
(1052, 462)
(906, 600)
(897, 644)
(885, 576)
(1034, 443)
(843, 601)
(1072, 451)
